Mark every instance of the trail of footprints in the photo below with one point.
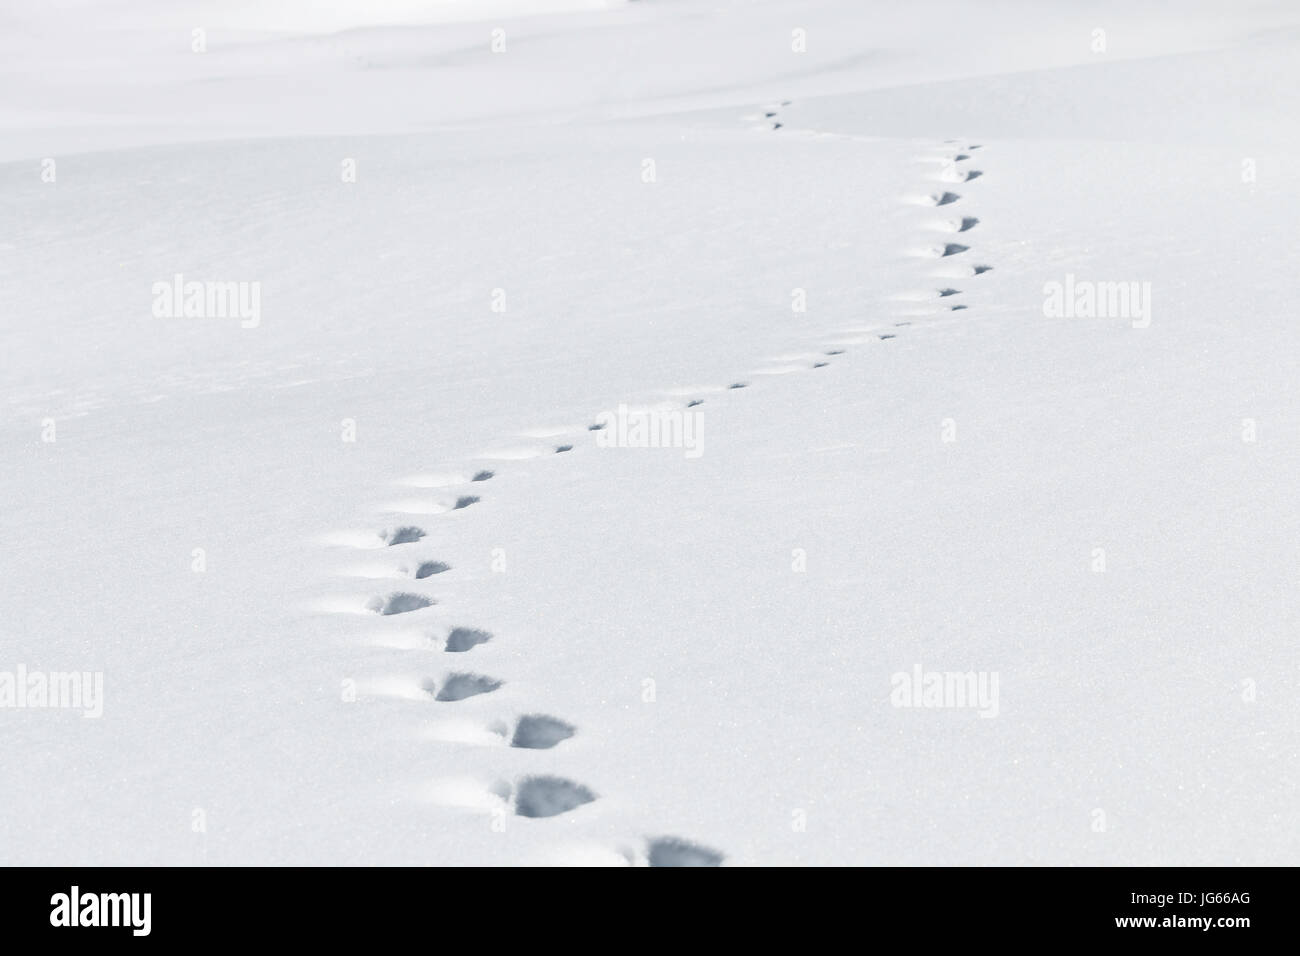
(542, 795)
(945, 260)
(539, 795)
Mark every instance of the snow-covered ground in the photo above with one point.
(364, 585)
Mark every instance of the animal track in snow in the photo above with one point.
(462, 639)
(410, 569)
(462, 685)
(945, 157)
(540, 732)
(444, 479)
(370, 540)
(399, 602)
(771, 116)
(936, 199)
(546, 796)
(426, 569)
(674, 851)
(530, 732)
(517, 452)
(955, 271)
(435, 506)
(942, 251)
(925, 296)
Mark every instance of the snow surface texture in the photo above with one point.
(368, 560)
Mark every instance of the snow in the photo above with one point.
(1100, 513)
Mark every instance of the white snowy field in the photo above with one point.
(455, 259)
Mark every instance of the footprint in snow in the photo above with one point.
(462, 639)
(400, 602)
(935, 199)
(425, 569)
(461, 686)
(522, 452)
(444, 479)
(940, 251)
(433, 507)
(540, 732)
(674, 851)
(546, 796)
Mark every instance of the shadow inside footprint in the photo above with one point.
(460, 686)
(672, 851)
(426, 569)
(563, 448)
(402, 535)
(464, 501)
(953, 249)
(462, 639)
(399, 603)
(738, 385)
(550, 796)
(482, 475)
(539, 732)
